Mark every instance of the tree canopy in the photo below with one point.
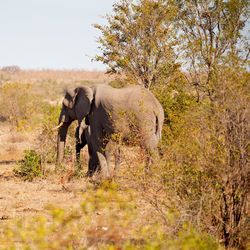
(212, 36)
(143, 39)
(140, 40)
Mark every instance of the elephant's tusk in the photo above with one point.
(60, 125)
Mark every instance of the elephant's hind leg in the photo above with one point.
(152, 156)
(103, 165)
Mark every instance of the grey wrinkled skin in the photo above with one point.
(131, 114)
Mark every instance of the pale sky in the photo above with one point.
(51, 34)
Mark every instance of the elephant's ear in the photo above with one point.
(69, 99)
(83, 102)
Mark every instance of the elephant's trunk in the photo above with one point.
(61, 138)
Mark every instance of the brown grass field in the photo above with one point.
(25, 200)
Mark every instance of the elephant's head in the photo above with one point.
(76, 106)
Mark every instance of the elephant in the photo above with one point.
(130, 114)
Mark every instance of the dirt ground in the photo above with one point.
(19, 198)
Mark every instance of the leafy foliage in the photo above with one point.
(30, 167)
(212, 35)
(176, 100)
(139, 41)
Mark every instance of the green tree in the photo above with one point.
(139, 41)
(217, 54)
(212, 35)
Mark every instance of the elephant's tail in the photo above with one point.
(157, 127)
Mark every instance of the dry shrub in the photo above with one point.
(18, 105)
(202, 178)
(231, 140)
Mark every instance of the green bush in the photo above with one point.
(176, 100)
(191, 239)
(31, 166)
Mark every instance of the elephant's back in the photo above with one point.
(130, 97)
(144, 99)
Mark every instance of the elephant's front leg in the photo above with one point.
(80, 143)
(104, 153)
(98, 161)
(93, 164)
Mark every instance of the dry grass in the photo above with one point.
(12, 141)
